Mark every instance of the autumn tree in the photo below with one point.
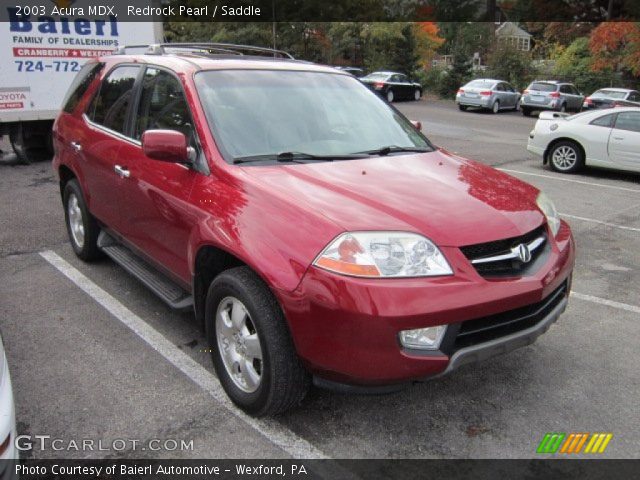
(615, 46)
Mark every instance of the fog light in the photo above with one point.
(423, 338)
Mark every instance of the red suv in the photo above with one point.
(316, 233)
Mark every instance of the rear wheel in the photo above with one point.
(19, 143)
(462, 108)
(563, 108)
(390, 96)
(417, 94)
(495, 108)
(82, 227)
(251, 347)
(566, 157)
(526, 111)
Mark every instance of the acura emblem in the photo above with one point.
(522, 252)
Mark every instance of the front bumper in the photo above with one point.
(346, 329)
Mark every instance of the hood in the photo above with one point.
(448, 199)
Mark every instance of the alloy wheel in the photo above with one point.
(239, 344)
(564, 157)
(76, 223)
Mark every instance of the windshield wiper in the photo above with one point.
(296, 157)
(393, 149)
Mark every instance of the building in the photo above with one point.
(511, 33)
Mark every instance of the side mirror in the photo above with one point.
(417, 124)
(166, 146)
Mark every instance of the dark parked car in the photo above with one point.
(393, 86)
(316, 234)
(551, 95)
(612, 97)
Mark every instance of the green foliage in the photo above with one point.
(574, 64)
(508, 63)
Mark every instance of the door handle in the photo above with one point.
(76, 146)
(618, 138)
(122, 171)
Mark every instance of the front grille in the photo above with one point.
(479, 330)
(510, 267)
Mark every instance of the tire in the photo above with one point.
(82, 227)
(526, 111)
(566, 157)
(417, 94)
(495, 108)
(271, 378)
(563, 108)
(19, 143)
(463, 108)
(517, 106)
(390, 96)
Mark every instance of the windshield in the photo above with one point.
(377, 76)
(609, 94)
(543, 87)
(480, 84)
(268, 113)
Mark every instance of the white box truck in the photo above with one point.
(40, 55)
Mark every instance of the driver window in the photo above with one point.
(163, 106)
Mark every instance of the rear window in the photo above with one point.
(377, 76)
(80, 84)
(480, 84)
(609, 94)
(543, 87)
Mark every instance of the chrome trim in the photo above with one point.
(512, 255)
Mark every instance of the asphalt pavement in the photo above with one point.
(94, 355)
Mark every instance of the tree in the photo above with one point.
(508, 63)
(575, 63)
(615, 46)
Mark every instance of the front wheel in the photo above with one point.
(251, 348)
(390, 96)
(566, 157)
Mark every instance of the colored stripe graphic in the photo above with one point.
(556, 442)
(551, 442)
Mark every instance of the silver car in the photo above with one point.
(551, 95)
(494, 95)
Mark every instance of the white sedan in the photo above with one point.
(605, 138)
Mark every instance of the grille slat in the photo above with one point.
(508, 267)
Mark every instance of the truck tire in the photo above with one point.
(251, 347)
(19, 143)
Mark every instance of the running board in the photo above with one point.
(168, 291)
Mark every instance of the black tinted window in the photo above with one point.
(628, 121)
(603, 121)
(80, 85)
(162, 105)
(110, 106)
(565, 89)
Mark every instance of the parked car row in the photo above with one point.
(540, 95)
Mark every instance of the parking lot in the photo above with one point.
(93, 354)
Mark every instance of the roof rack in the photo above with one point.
(207, 48)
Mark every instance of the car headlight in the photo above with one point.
(383, 254)
(549, 209)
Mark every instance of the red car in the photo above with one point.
(316, 233)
